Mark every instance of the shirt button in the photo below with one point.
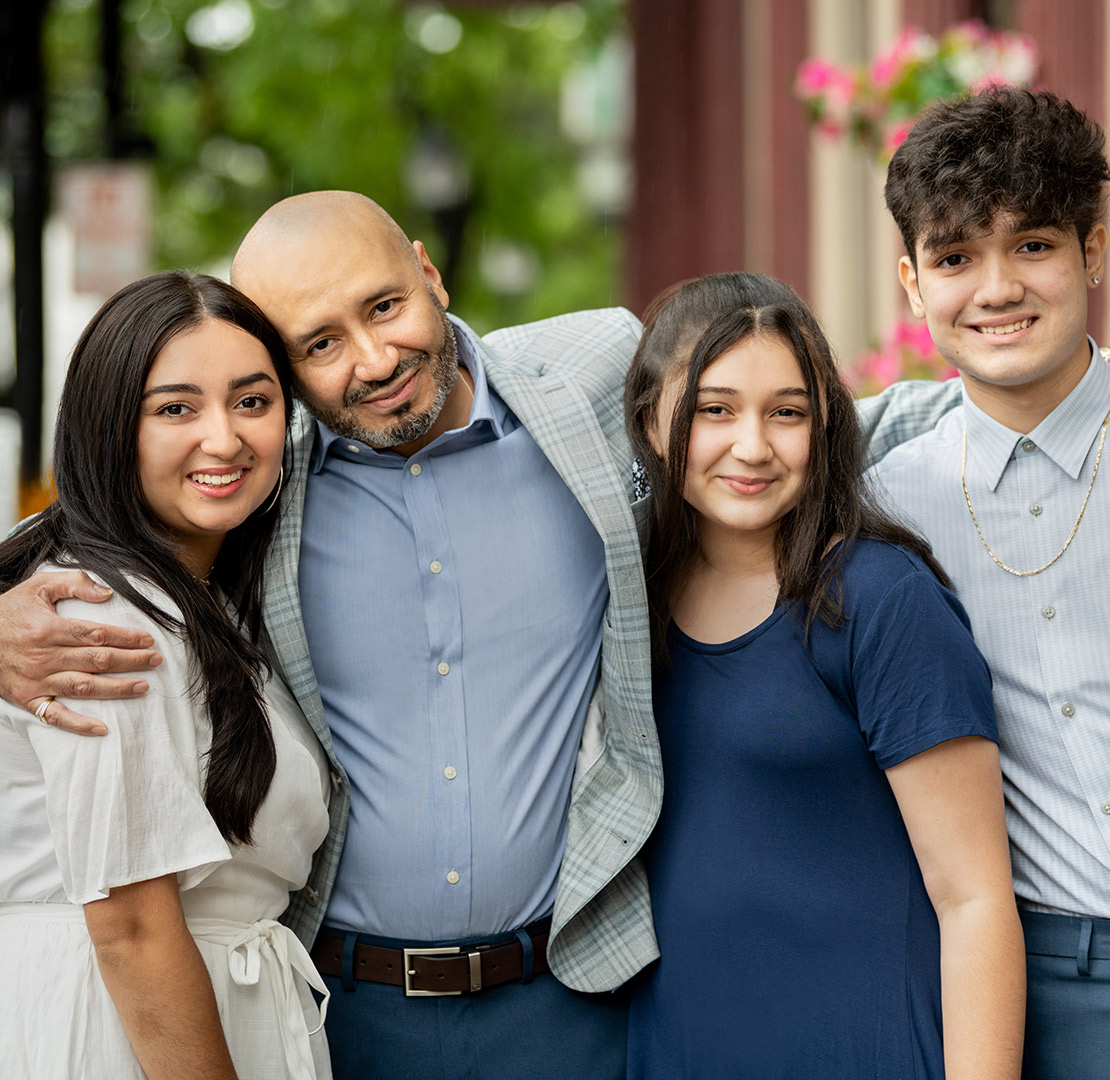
(1048, 611)
(435, 566)
(311, 895)
(443, 667)
(452, 877)
(352, 448)
(415, 468)
(450, 772)
(1106, 808)
(1029, 446)
(1068, 709)
(1036, 509)
(336, 781)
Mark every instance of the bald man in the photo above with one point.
(456, 600)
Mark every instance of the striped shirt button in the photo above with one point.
(1068, 709)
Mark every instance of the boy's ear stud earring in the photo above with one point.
(1095, 280)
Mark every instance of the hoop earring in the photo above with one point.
(274, 498)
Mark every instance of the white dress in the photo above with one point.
(79, 816)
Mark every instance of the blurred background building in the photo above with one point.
(552, 155)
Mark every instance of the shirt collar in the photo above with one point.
(1064, 435)
(488, 416)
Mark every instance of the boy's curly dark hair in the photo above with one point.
(1029, 154)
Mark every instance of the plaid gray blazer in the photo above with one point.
(562, 377)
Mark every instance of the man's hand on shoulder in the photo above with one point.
(43, 655)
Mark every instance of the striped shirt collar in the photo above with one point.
(1064, 435)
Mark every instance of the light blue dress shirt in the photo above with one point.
(453, 604)
(1045, 636)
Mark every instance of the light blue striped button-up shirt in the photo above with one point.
(1045, 636)
(453, 605)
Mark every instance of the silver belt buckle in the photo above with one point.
(449, 950)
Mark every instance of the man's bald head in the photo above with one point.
(288, 226)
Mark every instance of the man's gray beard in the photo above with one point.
(407, 425)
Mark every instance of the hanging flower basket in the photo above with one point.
(875, 105)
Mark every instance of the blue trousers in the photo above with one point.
(539, 1030)
(1067, 1026)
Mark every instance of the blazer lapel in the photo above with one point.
(282, 602)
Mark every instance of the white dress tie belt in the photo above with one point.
(253, 949)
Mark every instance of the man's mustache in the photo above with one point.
(363, 390)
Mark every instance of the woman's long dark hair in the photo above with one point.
(100, 522)
(687, 328)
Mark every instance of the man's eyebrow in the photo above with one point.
(304, 340)
(192, 388)
(964, 234)
(933, 245)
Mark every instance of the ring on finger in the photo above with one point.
(40, 712)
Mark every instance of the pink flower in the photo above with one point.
(915, 335)
(894, 136)
(878, 369)
(888, 67)
(885, 70)
(815, 77)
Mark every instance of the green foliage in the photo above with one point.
(342, 94)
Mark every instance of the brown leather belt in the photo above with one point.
(435, 971)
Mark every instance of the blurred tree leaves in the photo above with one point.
(247, 101)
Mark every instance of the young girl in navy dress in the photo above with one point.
(830, 876)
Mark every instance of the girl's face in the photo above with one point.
(211, 436)
(749, 439)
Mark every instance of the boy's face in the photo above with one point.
(1008, 308)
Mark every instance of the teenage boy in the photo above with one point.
(998, 199)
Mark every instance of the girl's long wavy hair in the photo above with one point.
(100, 522)
(687, 328)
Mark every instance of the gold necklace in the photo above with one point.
(1074, 528)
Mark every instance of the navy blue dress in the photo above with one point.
(797, 939)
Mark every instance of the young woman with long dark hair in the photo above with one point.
(142, 871)
(830, 877)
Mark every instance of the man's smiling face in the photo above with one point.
(362, 313)
(1008, 307)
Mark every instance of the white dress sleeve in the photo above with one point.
(129, 806)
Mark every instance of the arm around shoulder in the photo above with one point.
(43, 655)
(904, 411)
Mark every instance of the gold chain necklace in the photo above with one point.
(1074, 528)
